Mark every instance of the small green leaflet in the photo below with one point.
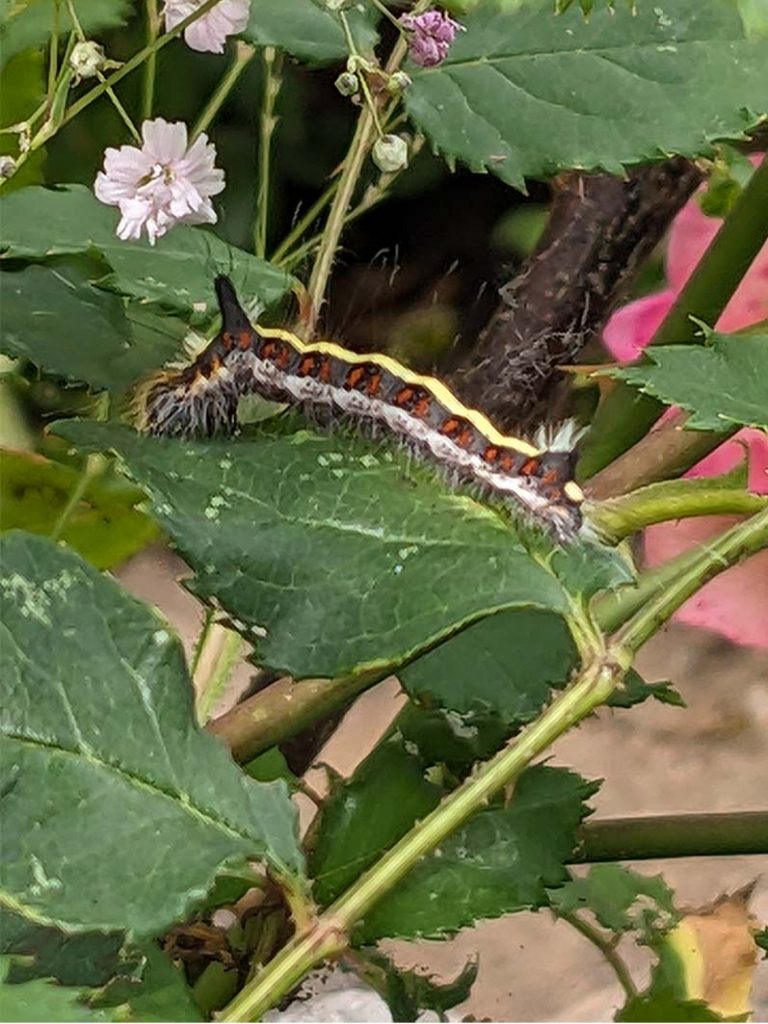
(722, 384)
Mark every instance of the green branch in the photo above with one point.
(617, 518)
(244, 54)
(738, 833)
(626, 415)
(607, 948)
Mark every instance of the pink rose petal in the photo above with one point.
(631, 328)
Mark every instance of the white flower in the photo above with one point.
(226, 18)
(161, 184)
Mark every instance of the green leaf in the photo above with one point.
(502, 860)
(309, 32)
(409, 993)
(83, 959)
(269, 766)
(367, 815)
(118, 810)
(157, 992)
(622, 900)
(761, 941)
(41, 1000)
(113, 345)
(635, 690)
(177, 272)
(523, 93)
(104, 528)
(454, 738)
(341, 553)
(22, 90)
(721, 384)
(663, 1005)
(755, 16)
(506, 663)
(27, 23)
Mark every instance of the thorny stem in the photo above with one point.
(617, 518)
(272, 61)
(712, 558)
(282, 252)
(353, 164)
(150, 68)
(607, 948)
(244, 53)
(705, 295)
(330, 933)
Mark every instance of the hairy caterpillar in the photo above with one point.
(375, 390)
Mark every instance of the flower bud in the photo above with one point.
(347, 83)
(7, 167)
(87, 59)
(399, 82)
(390, 153)
(339, 5)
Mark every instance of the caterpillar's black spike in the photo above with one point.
(233, 317)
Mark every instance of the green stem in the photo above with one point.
(272, 82)
(330, 934)
(617, 518)
(244, 54)
(283, 709)
(667, 451)
(94, 466)
(53, 54)
(372, 195)
(353, 164)
(712, 558)
(124, 117)
(626, 415)
(657, 836)
(607, 948)
(150, 68)
(280, 254)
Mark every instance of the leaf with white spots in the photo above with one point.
(118, 810)
(335, 553)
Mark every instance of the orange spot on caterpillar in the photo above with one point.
(226, 340)
(529, 468)
(450, 427)
(373, 384)
(244, 340)
(354, 377)
(458, 429)
(404, 397)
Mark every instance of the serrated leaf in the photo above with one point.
(722, 384)
(113, 345)
(104, 528)
(339, 552)
(409, 992)
(308, 30)
(365, 816)
(523, 93)
(42, 1000)
(508, 664)
(454, 738)
(27, 23)
(621, 899)
(83, 959)
(157, 992)
(664, 1005)
(176, 273)
(100, 742)
(502, 860)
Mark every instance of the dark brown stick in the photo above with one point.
(601, 229)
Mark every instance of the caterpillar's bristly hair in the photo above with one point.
(375, 391)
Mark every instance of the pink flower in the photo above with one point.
(433, 33)
(209, 33)
(163, 183)
(734, 604)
